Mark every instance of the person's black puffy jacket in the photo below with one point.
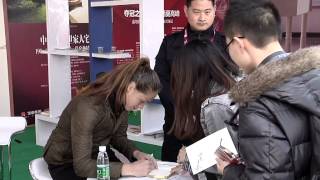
(279, 120)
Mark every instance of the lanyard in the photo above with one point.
(186, 36)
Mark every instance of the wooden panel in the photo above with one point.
(292, 7)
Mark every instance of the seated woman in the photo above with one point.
(97, 116)
(199, 72)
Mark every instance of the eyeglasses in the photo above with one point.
(241, 37)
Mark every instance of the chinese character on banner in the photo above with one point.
(126, 18)
(174, 18)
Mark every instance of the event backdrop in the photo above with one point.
(27, 34)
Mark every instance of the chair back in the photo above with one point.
(10, 126)
(38, 169)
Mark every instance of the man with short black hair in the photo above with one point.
(279, 99)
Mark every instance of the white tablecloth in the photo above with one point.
(176, 177)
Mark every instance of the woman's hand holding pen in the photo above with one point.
(137, 168)
(143, 156)
(144, 164)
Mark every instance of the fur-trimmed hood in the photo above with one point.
(280, 77)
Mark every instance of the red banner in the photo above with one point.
(27, 35)
(174, 18)
(127, 18)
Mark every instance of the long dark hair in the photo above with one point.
(118, 79)
(199, 70)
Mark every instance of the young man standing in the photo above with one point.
(200, 15)
(279, 113)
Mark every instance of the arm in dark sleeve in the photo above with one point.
(233, 172)
(263, 146)
(120, 140)
(163, 69)
(83, 121)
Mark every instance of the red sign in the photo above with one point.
(126, 18)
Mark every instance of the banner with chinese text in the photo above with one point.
(27, 35)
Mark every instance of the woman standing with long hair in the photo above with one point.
(201, 77)
(199, 71)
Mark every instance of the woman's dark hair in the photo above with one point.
(118, 79)
(198, 72)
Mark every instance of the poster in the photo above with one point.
(29, 68)
(174, 17)
(127, 18)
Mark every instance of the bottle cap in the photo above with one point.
(102, 148)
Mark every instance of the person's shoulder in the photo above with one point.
(88, 102)
(220, 36)
(222, 99)
(174, 36)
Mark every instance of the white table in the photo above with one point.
(176, 177)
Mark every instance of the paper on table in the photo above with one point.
(201, 154)
(163, 171)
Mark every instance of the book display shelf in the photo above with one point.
(101, 58)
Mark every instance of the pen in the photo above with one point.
(154, 161)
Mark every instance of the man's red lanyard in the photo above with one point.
(186, 38)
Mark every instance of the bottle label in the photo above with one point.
(103, 172)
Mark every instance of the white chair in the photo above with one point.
(9, 126)
(38, 169)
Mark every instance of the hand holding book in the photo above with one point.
(226, 155)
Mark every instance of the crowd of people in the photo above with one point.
(203, 78)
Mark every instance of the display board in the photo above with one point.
(29, 68)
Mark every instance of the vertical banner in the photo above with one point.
(27, 34)
(174, 17)
(29, 68)
(80, 69)
(126, 18)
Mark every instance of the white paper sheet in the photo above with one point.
(201, 154)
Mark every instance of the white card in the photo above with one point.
(201, 154)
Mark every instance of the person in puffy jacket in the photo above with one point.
(279, 99)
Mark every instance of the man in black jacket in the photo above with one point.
(279, 113)
(200, 15)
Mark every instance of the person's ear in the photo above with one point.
(185, 9)
(239, 42)
(131, 87)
